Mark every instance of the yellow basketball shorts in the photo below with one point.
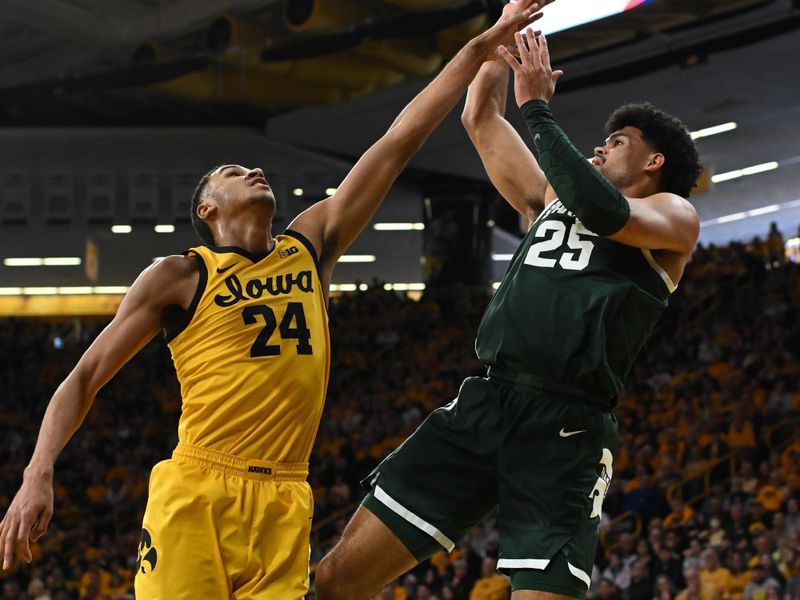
(218, 526)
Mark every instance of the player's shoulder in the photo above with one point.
(176, 266)
(169, 280)
(672, 199)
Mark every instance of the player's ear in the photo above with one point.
(655, 161)
(206, 208)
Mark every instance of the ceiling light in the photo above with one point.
(768, 166)
(79, 289)
(61, 261)
(398, 226)
(164, 228)
(502, 257)
(111, 289)
(330, 191)
(48, 261)
(121, 229)
(701, 133)
(10, 291)
(22, 262)
(357, 258)
(404, 287)
(297, 191)
(39, 291)
(343, 287)
(763, 210)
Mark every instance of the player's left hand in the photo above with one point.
(534, 78)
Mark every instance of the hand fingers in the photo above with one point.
(533, 46)
(40, 527)
(7, 538)
(508, 57)
(524, 53)
(544, 51)
(23, 540)
(557, 75)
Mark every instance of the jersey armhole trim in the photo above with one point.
(648, 256)
(202, 281)
(305, 241)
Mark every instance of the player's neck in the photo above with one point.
(640, 189)
(253, 235)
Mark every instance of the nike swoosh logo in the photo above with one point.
(223, 269)
(563, 433)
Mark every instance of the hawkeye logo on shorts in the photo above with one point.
(259, 470)
(284, 253)
(148, 556)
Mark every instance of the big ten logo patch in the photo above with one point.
(148, 556)
(285, 252)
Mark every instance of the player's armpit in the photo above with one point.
(662, 221)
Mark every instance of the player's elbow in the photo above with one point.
(472, 117)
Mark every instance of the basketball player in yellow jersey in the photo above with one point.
(229, 514)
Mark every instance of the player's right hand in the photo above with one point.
(26, 519)
(516, 16)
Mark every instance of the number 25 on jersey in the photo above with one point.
(574, 257)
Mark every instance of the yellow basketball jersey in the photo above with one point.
(253, 355)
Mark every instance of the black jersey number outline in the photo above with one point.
(293, 326)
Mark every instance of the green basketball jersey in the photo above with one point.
(574, 308)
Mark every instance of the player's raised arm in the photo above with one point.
(625, 199)
(334, 223)
(509, 163)
(169, 282)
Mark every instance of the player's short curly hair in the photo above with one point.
(669, 136)
(200, 226)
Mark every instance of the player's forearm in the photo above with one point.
(486, 95)
(579, 186)
(424, 113)
(64, 414)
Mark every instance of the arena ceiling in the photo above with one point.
(325, 78)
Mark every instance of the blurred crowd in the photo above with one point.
(704, 500)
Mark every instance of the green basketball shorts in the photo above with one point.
(543, 457)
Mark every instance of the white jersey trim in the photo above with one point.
(398, 508)
(648, 256)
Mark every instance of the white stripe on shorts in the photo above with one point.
(398, 508)
(523, 563)
(580, 574)
(541, 564)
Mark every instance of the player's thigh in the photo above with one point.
(367, 557)
(443, 479)
(555, 473)
(178, 557)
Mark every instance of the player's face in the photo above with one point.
(622, 157)
(237, 184)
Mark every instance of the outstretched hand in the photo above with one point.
(26, 520)
(534, 78)
(516, 16)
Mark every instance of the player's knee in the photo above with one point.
(325, 580)
(328, 585)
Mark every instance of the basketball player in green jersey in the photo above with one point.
(607, 245)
